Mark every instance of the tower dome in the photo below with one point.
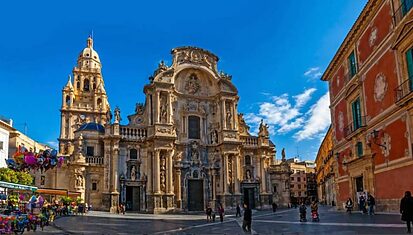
(88, 57)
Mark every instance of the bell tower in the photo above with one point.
(84, 98)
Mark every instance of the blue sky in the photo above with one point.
(275, 50)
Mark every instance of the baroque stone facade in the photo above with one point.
(184, 148)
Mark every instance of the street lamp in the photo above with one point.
(375, 135)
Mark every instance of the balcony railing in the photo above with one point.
(98, 160)
(133, 133)
(250, 141)
(352, 127)
(404, 89)
(403, 9)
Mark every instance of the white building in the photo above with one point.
(5, 128)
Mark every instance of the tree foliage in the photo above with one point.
(17, 177)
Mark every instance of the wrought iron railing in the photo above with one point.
(354, 126)
(404, 89)
(404, 8)
(94, 160)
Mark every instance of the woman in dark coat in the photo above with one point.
(406, 209)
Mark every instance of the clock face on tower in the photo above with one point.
(138, 120)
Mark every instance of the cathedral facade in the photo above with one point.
(185, 147)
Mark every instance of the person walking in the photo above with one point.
(406, 209)
(274, 207)
(246, 224)
(371, 202)
(362, 204)
(209, 213)
(349, 205)
(221, 212)
(238, 211)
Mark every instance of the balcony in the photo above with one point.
(97, 160)
(352, 128)
(402, 11)
(131, 133)
(404, 89)
(250, 141)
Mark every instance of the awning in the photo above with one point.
(17, 186)
(62, 192)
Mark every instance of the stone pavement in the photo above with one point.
(264, 222)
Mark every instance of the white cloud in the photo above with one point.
(318, 121)
(303, 98)
(313, 73)
(280, 114)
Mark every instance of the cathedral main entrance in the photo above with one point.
(132, 198)
(195, 195)
(250, 194)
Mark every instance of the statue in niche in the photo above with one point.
(133, 173)
(229, 119)
(214, 137)
(117, 115)
(248, 175)
(108, 116)
(79, 180)
(80, 144)
(194, 151)
(163, 110)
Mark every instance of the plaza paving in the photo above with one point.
(264, 222)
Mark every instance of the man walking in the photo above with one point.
(371, 202)
(274, 207)
(246, 225)
(406, 209)
(238, 211)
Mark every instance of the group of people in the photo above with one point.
(370, 203)
(211, 214)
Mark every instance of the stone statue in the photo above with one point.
(163, 111)
(248, 174)
(263, 130)
(79, 181)
(108, 116)
(214, 137)
(194, 151)
(80, 143)
(117, 115)
(133, 173)
(229, 119)
(283, 154)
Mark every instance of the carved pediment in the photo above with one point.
(403, 33)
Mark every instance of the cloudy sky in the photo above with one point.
(276, 52)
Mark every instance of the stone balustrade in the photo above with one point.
(98, 160)
(250, 141)
(131, 133)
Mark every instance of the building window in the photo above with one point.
(409, 62)
(247, 160)
(94, 186)
(292, 178)
(359, 147)
(299, 186)
(299, 179)
(352, 63)
(67, 100)
(406, 5)
(90, 151)
(275, 189)
(1, 145)
(194, 128)
(86, 85)
(359, 184)
(42, 180)
(133, 154)
(299, 194)
(356, 110)
(292, 186)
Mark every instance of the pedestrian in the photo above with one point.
(209, 213)
(362, 204)
(221, 212)
(274, 207)
(371, 202)
(246, 224)
(238, 211)
(349, 205)
(406, 209)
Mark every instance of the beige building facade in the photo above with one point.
(185, 147)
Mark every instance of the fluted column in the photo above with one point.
(156, 173)
(225, 174)
(170, 188)
(263, 181)
(236, 181)
(224, 115)
(178, 188)
(234, 115)
(169, 108)
(149, 167)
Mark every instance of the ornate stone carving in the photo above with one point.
(164, 130)
(380, 87)
(133, 173)
(163, 171)
(386, 141)
(224, 75)
(139, 108)
(194, 151)
(163, 113)
(192, 84)
(341, 121)
(195, 56)
(263, 129)
(117, 115)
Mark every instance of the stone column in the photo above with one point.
(224, 115)
(170, 188)
(234, 115)
(63, 126)
(156, 108)
(156, 173)
(149, 168)
(214, 190)
(178, 188)
(169, 108)
(114, 168)
(236, 181)
(225, 174)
